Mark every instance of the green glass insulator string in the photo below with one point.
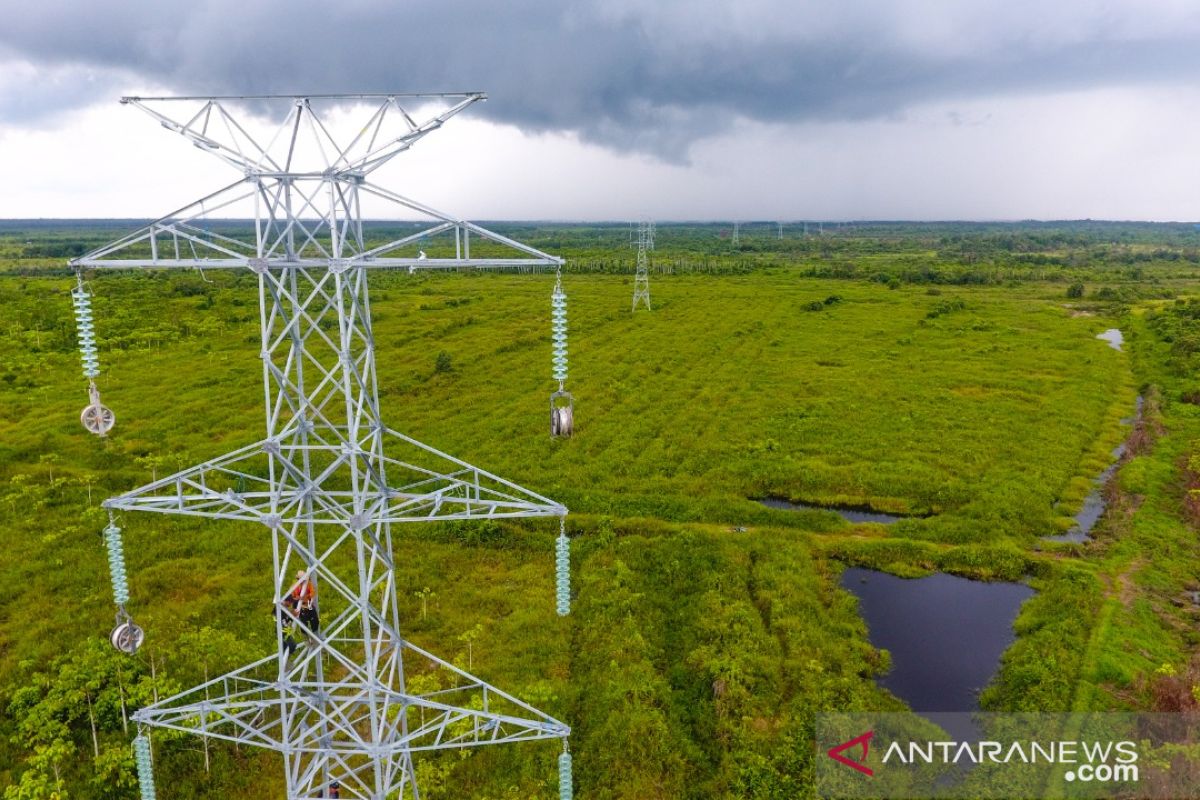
(145, 767)
(96, 418)
(558, 326)
(566, 788)
(85, 325)
(116, 563)
(563, 569)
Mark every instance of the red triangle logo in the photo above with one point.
(859, 764)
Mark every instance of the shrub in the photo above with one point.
(945, 307)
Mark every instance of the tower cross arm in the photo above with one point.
(376, 157)
(200, 137)
(214, 129)
(169, 240)
(377, 256)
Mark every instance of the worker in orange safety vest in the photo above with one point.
(303, 600)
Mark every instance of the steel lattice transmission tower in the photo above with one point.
(330, 478)
(641, 280)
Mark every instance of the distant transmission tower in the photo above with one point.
(780, 224)
(330, 479)
(737, 240)
(641, 281)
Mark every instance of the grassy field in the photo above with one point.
(943, 375)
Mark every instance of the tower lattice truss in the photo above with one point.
(641, 278)
(329, 479)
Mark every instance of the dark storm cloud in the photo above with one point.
(652, 77)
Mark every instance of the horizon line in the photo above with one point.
(693, 221)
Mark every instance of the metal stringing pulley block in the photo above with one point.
(562, 414)
(96, 417)
(127, 637)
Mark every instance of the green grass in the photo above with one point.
(695, 656)
(729, 390)
(1147, 552)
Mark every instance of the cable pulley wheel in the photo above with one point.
(127, 637)
(562, 421)
(97, 419)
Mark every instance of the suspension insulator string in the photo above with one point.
(566, 788)
(563, 569)
(116, 563)
(562, 404)
(145, 766)
(96, 417)
(126, 636)
(558, 306)
(88, 352)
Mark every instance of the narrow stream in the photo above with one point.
(1114, 337)
(1094, 504)
(1137, 411)
(845, 512)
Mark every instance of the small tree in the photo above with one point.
(443, 363)
(88, 479)
(217, 651)
(469, 637)
(49, 459)
(425, 594)
(1075, 291)
(153, 462)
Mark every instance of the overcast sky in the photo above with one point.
(608, 109)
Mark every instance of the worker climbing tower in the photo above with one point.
(641, 280)
(329, 479)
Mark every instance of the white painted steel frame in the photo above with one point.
(329, 479)
(641, 279)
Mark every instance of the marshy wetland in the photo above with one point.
(937, 379)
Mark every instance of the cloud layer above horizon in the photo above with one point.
(664, 79)
(651, 76)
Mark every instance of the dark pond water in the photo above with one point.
(849, 514)
(945, 634)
